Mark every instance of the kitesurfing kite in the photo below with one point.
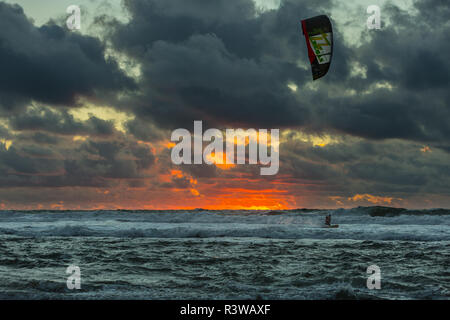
(319, 40)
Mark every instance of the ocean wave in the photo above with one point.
(373, 211)
(380, 211)
(236, 231)
(363, 223)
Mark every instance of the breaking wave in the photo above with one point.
(427, 233)
(363, 223)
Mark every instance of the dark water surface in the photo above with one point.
(225, 255)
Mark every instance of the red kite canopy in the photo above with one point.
(319, 40)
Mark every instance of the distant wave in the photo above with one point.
(374, 211)
(431, 233)
(379, 211)
(362, 223)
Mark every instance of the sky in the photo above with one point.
(86, 116)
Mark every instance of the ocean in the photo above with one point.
(203, 254)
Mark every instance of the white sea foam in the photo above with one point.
(354, 224)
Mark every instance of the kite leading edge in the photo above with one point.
(319, 40)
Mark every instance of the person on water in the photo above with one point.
(328, 220)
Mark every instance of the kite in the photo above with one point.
(319, 40)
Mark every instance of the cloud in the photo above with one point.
(145, 130)
(51, 65)
(44, 119)
(4, 132)
(221, 65)
(359, 166)
(385, 98)
(404, 91)
(92, 163)
(232, 67)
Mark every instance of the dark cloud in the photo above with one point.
(50, 64)
(4, 132)
(43, 138)
(60, 122)
(94, 163)
(110, 160)
(145, 130)
(221, 65)
(363, 166)
(229, 65)
(405, 91)
(232, 66)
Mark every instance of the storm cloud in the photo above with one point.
(375, 130)
(232, 67)
(61, 122)
(50, 64)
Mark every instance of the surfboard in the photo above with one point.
(332, 226)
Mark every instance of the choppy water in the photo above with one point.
(225, 255)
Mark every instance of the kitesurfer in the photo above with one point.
(328, 220)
